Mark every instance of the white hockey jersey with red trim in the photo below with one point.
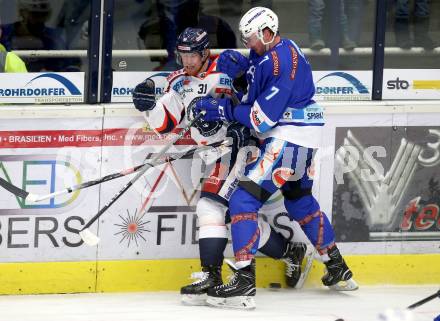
(176, 107)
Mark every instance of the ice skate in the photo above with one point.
(296, 272)
(238, 293)
(338, 276)
(196, 293)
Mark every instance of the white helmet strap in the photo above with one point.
(260, 36)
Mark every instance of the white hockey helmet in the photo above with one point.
(255, 21)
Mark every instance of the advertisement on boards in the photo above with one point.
(125, 81)
(43, 156)
(411, 84)
(387, 184)
(42, 88)
(154, 219)
(342, 85)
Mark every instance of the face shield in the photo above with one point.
(250, 40)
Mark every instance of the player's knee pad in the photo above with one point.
(211, 216)
(242, 201)
(264, 228)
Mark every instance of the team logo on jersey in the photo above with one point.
(205, 128)
(256, 118)
(250, 74)
(281, 175)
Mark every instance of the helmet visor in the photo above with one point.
(250, 40)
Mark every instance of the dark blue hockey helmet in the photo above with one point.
(192, 40)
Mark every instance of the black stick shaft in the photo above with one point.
(116, 196)
(13, 189)
(425, 300)
(23, 194)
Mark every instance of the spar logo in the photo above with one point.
(341, 86)
(126, 91)
(45, 88)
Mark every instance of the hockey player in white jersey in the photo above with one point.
(279, 107)
(185, 87)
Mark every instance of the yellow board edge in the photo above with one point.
(170, 275)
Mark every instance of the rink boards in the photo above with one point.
(376, 176)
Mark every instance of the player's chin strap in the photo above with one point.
(267, 44)
(204, 67)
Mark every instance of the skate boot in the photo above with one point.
(338, 276)
(195, 293)
(293, 258)
(238, 293)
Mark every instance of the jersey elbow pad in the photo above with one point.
(169, 123)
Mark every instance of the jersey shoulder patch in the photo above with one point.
(175, 74)
(275, 63)
(294, 59)
(173, 77)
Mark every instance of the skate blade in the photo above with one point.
(236, 302)
(194, 299)
(305, 270)
(349, 285)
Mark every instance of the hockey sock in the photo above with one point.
(313, 222)
(275, 246)
(243, 208)
(211, 251)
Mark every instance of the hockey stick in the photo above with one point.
(91, 239)
(425, 300)
(38, 198)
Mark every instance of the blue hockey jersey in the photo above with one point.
(279, 102)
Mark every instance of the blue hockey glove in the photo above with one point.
(144, 97)
(232, 63)
(216, 109)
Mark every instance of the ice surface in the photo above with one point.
(293, 305)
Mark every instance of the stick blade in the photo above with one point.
(88, 237)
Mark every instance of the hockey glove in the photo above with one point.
(144, 97)
(240, 136)
(216, 109)
(232, 63)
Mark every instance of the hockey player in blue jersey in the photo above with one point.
(279, 107)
